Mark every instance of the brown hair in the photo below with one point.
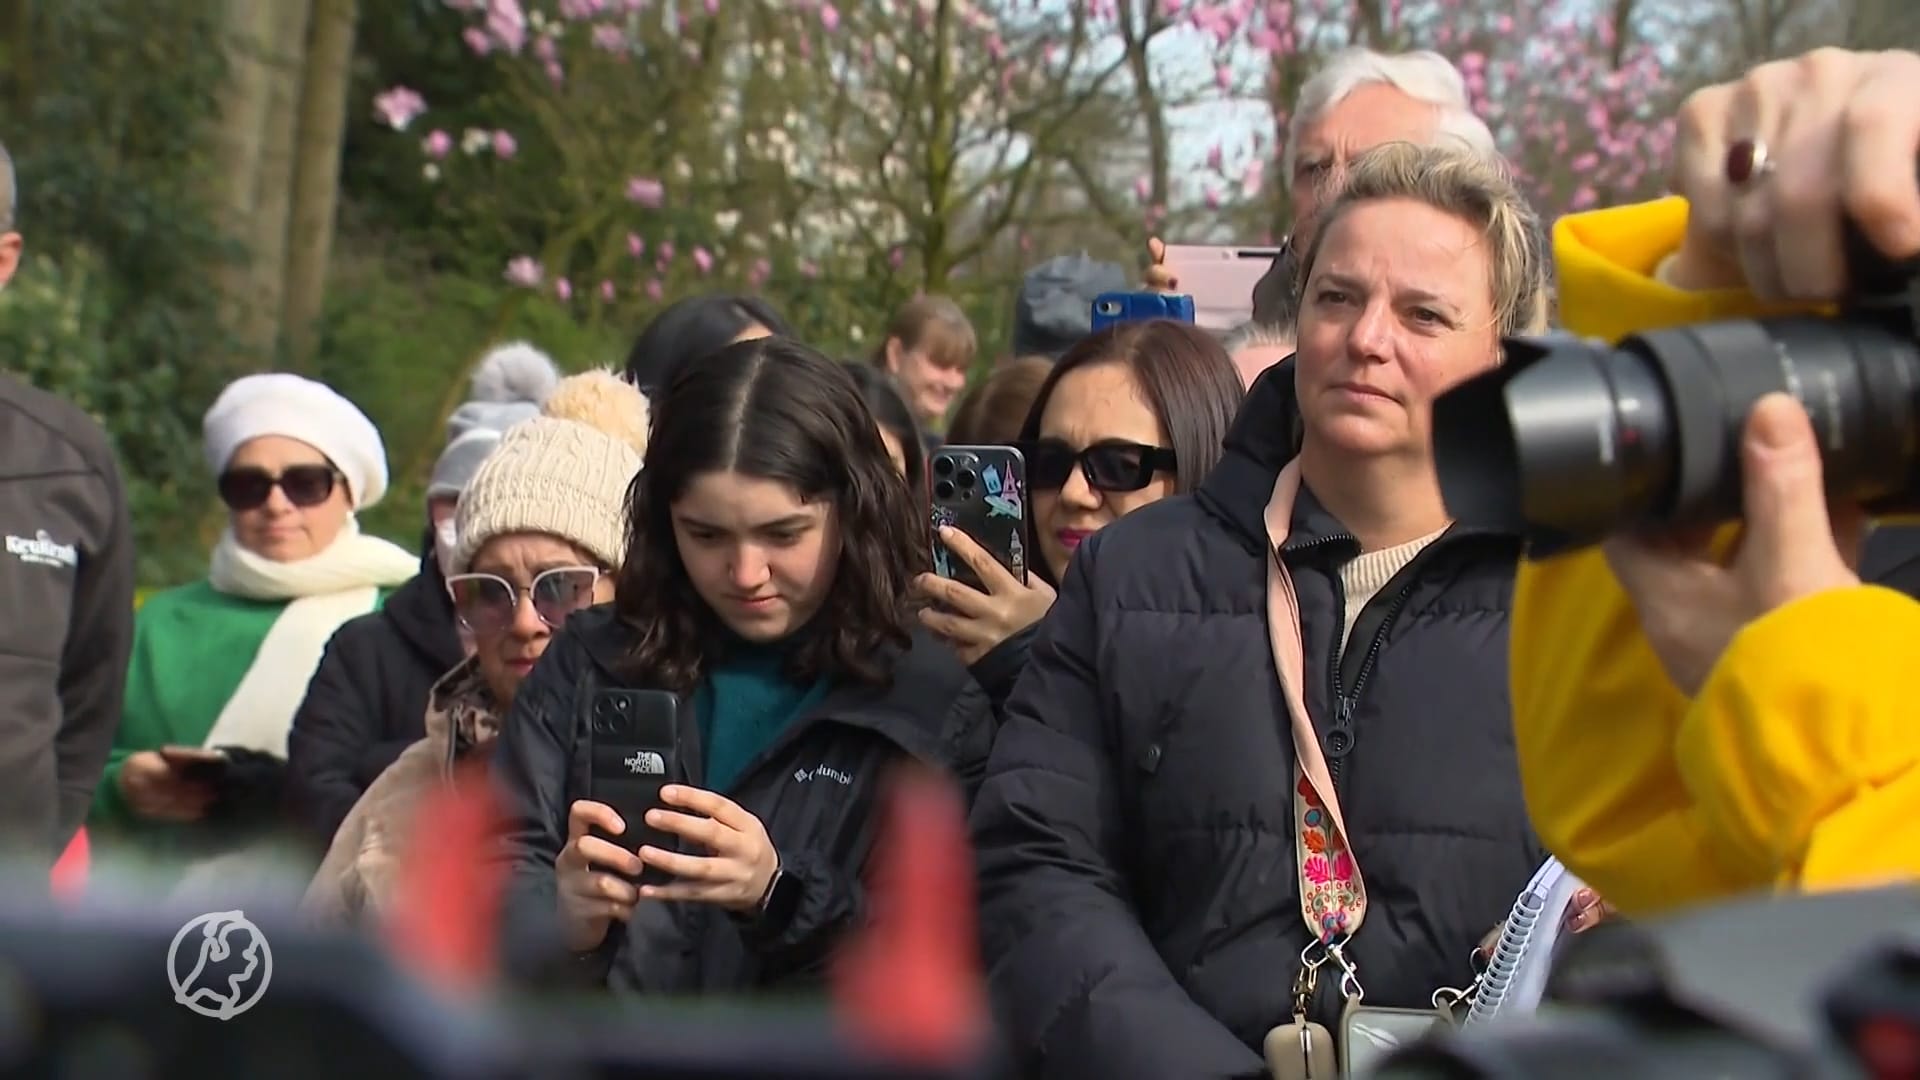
(777, 410)
(1186, 376)
(934, 324)
(995, 408)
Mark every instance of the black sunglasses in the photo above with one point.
(1107, 466)
(249, 488)
(487, 603)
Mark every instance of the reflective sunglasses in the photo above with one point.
(249, 488)
(487, 603)
(1107, 466)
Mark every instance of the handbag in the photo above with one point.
(1333, 895)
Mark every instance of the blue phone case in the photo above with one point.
(1123, 307)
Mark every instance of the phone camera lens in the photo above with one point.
(943, 466)
(621, 704)
(964, 478)
(601, 726)
(943, 489)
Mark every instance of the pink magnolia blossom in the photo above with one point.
(524, 271)
(655, 290)
(477, 40)
(759, 273)
(646, 191)
(702, 260)
(606, 291)
(504, 146)
(438, 144)
(397, 107)
(563, 289)
(666, 250)
(507, 25)
(829, 18)
(636, 246)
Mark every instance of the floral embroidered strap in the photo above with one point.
(1333, 898)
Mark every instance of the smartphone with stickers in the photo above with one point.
(981, 491)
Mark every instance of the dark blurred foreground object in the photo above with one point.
(89, 994)
(1798, 987)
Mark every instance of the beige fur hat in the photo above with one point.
(564, 473)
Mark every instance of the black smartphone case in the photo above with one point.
(634, 751)
(982, 491)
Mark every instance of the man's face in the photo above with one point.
(1371, 116)
(9, 256)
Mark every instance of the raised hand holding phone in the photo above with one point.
(974, 620)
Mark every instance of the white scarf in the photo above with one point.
(326, 590)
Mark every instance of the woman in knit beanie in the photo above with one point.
(542, 526)
(767, 585)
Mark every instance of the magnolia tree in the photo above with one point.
(1576, 91)
(840, 156)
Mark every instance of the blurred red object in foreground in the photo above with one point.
(909, 987)
(70, 871)
(446, 904)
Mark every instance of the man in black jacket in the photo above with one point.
(1140, 909)
(66, 585)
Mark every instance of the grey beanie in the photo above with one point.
(509, 386)
(1055, 308)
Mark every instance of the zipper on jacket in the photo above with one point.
(1346, 697)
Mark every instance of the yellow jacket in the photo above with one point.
(1795, 765)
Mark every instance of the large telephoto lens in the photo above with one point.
(1571, 442)
(1562, 442)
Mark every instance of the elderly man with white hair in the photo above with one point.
(1360, 100)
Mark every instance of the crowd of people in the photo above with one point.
(1266, 732)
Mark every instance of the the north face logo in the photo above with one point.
(646, 763)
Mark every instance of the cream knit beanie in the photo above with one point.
(564, 473)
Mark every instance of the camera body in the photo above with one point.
(1570, 441)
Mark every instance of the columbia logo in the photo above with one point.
(821, 772)
(646, 763)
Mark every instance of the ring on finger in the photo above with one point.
(1748, 163)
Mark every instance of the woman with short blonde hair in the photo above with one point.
(1152, 754)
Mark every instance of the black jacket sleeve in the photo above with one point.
(833, 899)
(93, 664)
(532, 768)
(334, 751)
(1078, 986)
(1000, 669)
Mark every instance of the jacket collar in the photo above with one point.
(1265, 436)
(907, 709)
(461, 710)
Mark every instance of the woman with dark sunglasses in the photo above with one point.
(220, 666)
(765, 585)
(1129, 416)
(540, 529)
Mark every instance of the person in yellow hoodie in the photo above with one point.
(1750, 698)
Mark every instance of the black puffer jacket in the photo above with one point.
(814, 789)
(1140, 908)
(368, 700)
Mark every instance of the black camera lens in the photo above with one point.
(964, 478)
(943, 466)
(1572, 441)
(943, 489)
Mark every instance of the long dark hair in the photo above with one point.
(692, 329)
(1188, 379)
(881, 392)
(775, 410)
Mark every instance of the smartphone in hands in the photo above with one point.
(197, 764)
(634, 751)
(981, 491)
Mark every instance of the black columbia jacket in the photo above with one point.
(815, 789)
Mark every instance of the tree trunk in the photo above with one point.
(316, 173)
(236, 144)
(261, 327)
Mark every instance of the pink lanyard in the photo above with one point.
(1333, 898)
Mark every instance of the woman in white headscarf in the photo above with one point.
(220, 666)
